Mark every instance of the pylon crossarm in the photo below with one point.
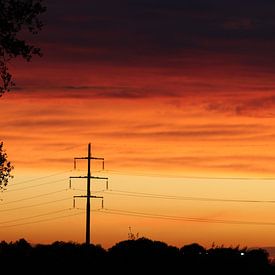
(94, 158)
(81, 158)
(102, 200)
(77, 159)
(81, 196)
(102, 178)
(92, 197)
(74, 197)
(99, 178)
(70, 181)
(96, 197)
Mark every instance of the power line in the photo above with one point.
(143, 174)
(34, 205)
(34, 197)
(41, 178)
(43, 220)
(35, 216)
(132, 194)
(159, 196)
(145, 215)
(181, 218)
(37, 185)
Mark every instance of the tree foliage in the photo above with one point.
(5, 168)
(17, 17)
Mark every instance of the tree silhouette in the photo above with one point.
(5, 168)
(16, 18)
(141, 256)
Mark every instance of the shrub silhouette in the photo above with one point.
(143, 256)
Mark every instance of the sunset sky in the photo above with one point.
(178, 96)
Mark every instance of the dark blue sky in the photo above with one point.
(130, 30)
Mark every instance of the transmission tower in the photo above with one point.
(88, 196)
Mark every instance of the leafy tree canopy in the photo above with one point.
(5, 168)
(17, 17)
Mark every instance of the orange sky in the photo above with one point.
(177, 123)
(146, 143)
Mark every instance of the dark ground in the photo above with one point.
(141, 256)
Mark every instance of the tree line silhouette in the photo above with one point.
(140, 256)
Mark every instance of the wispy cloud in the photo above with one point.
(256, 105)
